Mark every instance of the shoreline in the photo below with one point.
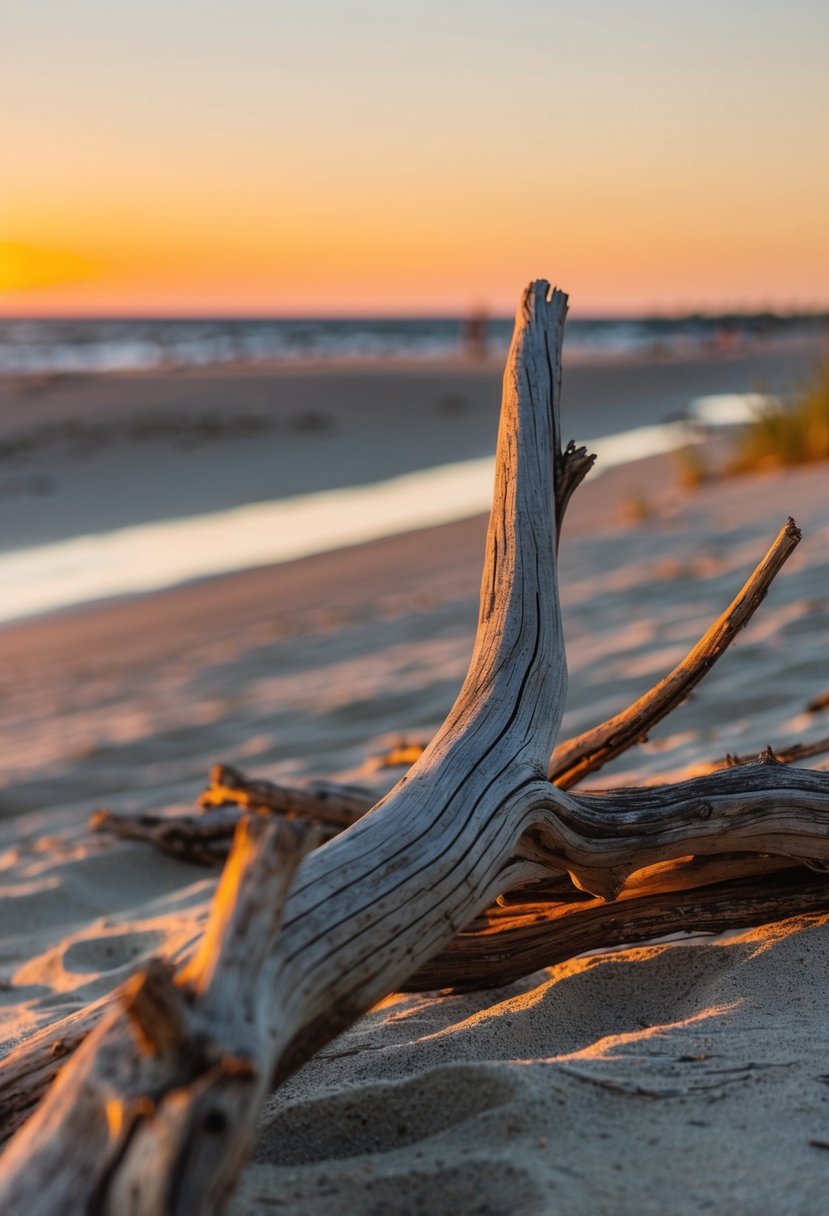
(107, 483)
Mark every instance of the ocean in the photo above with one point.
(35, 346)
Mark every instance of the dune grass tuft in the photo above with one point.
(692, 467)
(784, 435)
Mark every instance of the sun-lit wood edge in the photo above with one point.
(576, 758)
(512, 940)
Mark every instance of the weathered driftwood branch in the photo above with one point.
(202, 839)
(359, 920)
(145, 1119)
(574, 760)
(205, 839)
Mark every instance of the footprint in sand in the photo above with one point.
(381, 1118)
(110, 952)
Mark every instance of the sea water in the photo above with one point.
(152, 556)
(83, 345)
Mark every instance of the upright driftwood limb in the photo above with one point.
(375, 902)
(476, 816)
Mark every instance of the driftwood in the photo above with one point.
(791, 754)
(206, 839)
(590, 751)
(513, 940)
(156, 1110)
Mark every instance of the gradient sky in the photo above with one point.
(365, 156)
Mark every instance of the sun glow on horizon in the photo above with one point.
(27, 268)
(214, 161)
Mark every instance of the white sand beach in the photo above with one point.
(679, 1077)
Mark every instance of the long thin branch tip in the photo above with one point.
(586, 753)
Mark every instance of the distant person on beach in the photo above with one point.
(475, 334)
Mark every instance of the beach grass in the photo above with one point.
(786, 435)
(692, 467)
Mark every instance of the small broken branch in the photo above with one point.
(573, 466)
(160, 1103)
(202, 839)
(326, 803)
(784, 755)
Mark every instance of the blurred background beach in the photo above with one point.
(138, 455)
(248, 256)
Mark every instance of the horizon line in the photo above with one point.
(820, 313)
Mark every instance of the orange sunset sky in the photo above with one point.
(337, 157)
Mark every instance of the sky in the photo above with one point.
(347, 157)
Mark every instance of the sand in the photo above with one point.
(681, 1077)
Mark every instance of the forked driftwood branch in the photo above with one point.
(156, 1111)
